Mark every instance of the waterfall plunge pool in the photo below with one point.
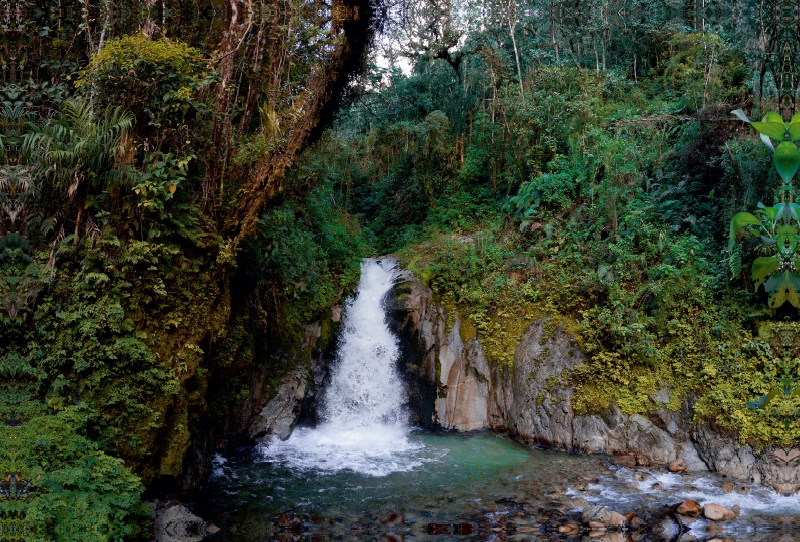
(473, 486)
(362, 473)
(442, 478)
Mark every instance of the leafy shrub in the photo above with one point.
(158, 80)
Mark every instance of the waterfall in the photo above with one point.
(364, 424)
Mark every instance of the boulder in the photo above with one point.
(280, 414)
(173, 522)
(716, 512)
(723, 454)
(780, 468)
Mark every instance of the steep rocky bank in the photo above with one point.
(533, 400)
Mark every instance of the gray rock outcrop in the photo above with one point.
(280, 414)
(173, 522)
(534, 400)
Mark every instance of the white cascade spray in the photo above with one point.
(364, 425)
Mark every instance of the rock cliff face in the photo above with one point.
(533, 400)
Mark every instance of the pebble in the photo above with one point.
(616, 520)
(636, 522)
(679, 465)
(689, 508)
(289, 519)
(624, 460)
(393, 519)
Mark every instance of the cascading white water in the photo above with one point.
(364, 425)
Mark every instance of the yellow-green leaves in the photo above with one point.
(794, 128)
(772, 126)
(772, 129)
(762, 268)
(783, 288)
(786, 160)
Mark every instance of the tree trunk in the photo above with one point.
(239, 26)
(317, 106)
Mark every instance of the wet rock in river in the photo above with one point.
(689, 508)
(716, 512)
(616, 520)
(597, 526)
(280, 414)
(393, 519)
(625, 460)
(289, 520)
(595, 513)
(569, 528)
(679, 465)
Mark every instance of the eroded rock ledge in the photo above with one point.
(534, 400)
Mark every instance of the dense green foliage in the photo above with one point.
(580, 168)
(124, 342)
(602, 201)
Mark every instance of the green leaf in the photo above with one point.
(762, 268)
(764, 138)
(770, 212)
(771, 129)
(783, 288)
(763, 401)
(773, 117)
(794, 129)
(739, 221)
(787, 160)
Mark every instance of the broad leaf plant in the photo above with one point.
(777, 226)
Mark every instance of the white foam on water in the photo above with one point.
(623, 489)
(364, 425)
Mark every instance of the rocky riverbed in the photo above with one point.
(486, 486)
